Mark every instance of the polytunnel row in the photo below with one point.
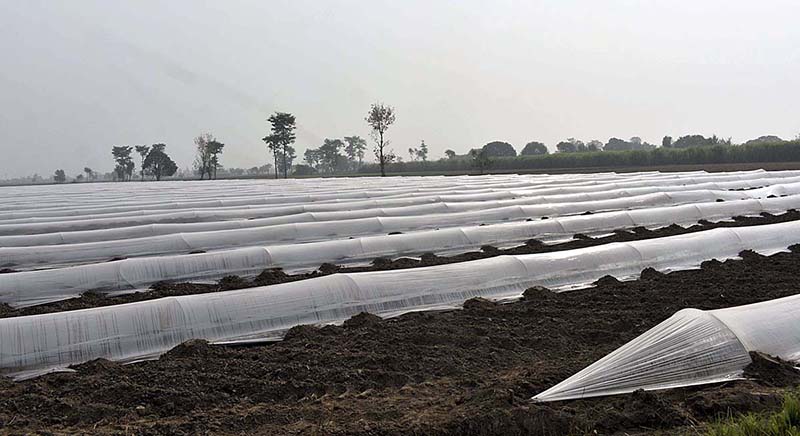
(262, 216)
(172, 243)
(217, 194)
(407, 189)
(102, 195)
(692, 347)
(274, 192)
(455, 193)
(33, 345)
(44, 286)
(89, 230)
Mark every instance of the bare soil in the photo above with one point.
(459, 372)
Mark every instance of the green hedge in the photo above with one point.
(715, 154)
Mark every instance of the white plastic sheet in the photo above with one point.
(172, 243)
(136, 224)
(410, 204)
(690, 348)
(42, 286)
(80, 199)
(35, 344)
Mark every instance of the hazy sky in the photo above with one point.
(77, 77)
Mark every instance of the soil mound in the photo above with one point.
(363, 319)
(772, 371)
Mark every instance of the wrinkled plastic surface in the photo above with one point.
(61, 255)
(690, 348)
(33, 345)
(42, 286)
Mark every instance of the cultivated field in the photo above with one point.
(156, 307)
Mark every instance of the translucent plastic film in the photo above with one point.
(692, 347)
(412, 205)
(35, 344)
(87, 199)
(66, 254)
(42, 286)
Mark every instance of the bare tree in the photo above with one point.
(203, 157)
(379, 118)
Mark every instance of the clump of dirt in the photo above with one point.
(96, 366)
(193, 349)
(772, 371)
(607, 281)
(429, 258)
(363, 319)
(271, 276)
(329, 268)
(381, 261)
(650, 273)
(233, 282)
(643, 409)
(490, 249)
(538, 293)
(478, 303)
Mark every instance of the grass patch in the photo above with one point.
(785, 422)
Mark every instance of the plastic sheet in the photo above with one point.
(414, 205)
(207, 236)
(42, 286)
(36, 344)
(690, 348)
(60, 200)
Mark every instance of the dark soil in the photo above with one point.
(459, 372)
(276, 275)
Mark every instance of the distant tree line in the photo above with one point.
(346, 155)
(154, 162)
(691, 149)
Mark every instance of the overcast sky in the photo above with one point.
(77, 77)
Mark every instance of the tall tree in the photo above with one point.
(380, 118)
(274, 148)
(142, 150)
(284, 165)
(450, 154)
(330, 157)
(596, 145)
(534, 148)
(355, 148)
(60, 176)
(499, 149)
(214, 150)
(202, 160)
(280, 140)
(422, 152)
(122, 157)
(158, 163)
(480, 159)
(89, 173)
(312, 157)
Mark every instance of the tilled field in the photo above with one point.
(72, 258)
(457, 372)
